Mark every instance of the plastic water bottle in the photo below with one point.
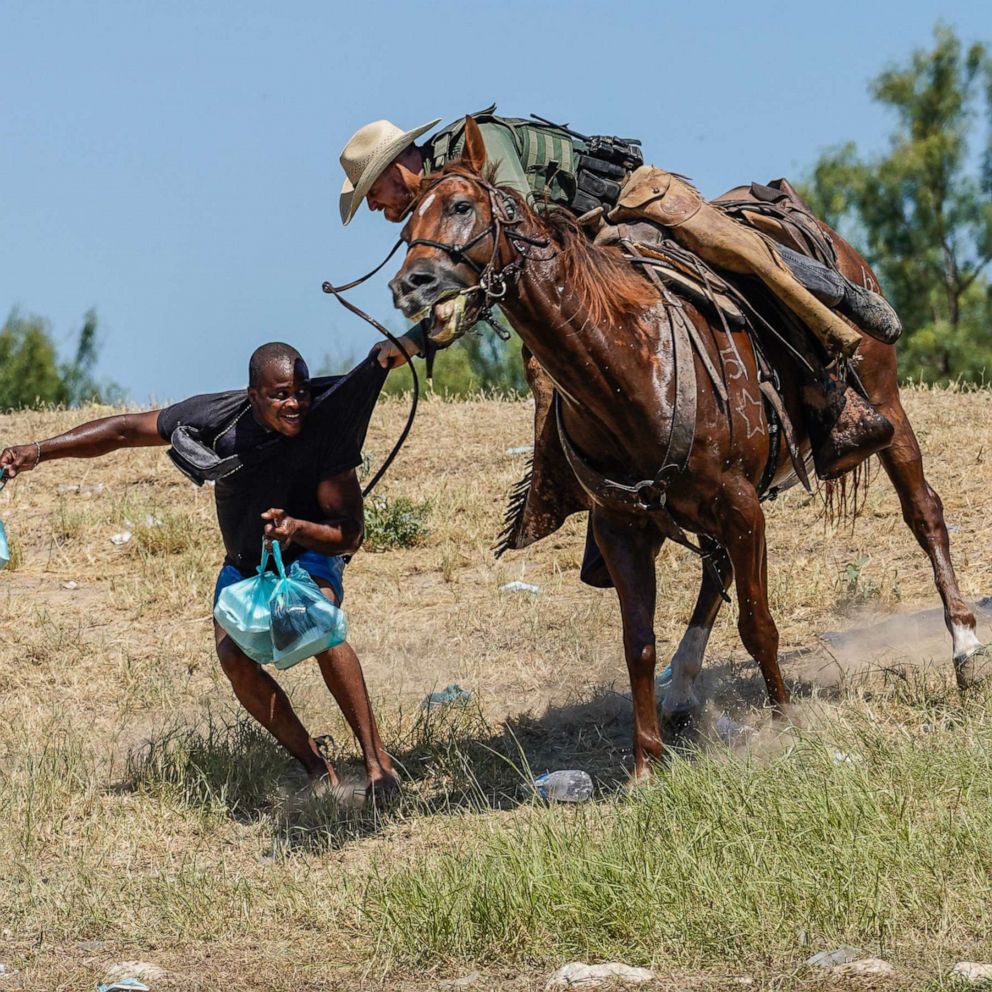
(566, 786)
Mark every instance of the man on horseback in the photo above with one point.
(602, 181)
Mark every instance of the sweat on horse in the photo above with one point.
(650, 387)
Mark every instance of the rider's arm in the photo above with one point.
(342, 528)
(501, 152)
(89, 440)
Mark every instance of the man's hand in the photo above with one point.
(391, 357)
(19, 458)
(279, 526)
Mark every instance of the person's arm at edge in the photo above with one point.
(342, 530)
(89, 440)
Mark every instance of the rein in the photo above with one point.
(336, 292)
(492, 282)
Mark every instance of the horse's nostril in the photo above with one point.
(418, 280)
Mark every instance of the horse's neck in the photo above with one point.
(572, 349)
(592, 365)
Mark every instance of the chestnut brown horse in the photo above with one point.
(601, 331)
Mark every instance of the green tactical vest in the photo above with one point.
(550, 156)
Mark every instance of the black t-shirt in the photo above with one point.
(285, 472)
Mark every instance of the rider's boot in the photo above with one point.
(844, 428)
(871, 312)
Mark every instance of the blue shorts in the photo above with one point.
(318, 566)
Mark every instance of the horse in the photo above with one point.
(604, 335)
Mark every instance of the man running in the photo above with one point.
(283, 454)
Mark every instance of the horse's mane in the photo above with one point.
(605, 284)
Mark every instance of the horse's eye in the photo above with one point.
(462, 207)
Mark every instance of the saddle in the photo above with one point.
(779, 212)
(549, 492)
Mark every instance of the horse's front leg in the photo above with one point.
(743, 535)
(629, 546)
(681, 705)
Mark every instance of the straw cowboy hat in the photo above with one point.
(365, 157)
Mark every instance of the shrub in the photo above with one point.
(395, 523)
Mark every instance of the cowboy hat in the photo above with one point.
(366, 156)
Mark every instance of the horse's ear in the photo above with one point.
(474, 155)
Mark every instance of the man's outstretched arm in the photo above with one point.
(340, 532)
(89, 440)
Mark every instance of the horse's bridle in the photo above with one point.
(492, 282)
(504, 217)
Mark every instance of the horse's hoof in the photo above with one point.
(638, 779)
(683, 717)
(384, 793)
(974, 668)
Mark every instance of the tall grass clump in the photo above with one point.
(222, 766)
(720, 860)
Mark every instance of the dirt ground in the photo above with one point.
(115, 643)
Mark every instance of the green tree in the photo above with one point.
(921, 212)
(480, 362)
(31, 374)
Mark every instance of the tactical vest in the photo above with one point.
(562, 166)
(549, 155)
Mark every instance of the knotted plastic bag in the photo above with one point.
(304, 621)
(243, 611)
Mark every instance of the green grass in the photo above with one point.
(723, 860)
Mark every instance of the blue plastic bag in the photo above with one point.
(304, 621)
(243, 611)
(4, 545)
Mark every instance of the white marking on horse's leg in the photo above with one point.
(686, 665)
(966, 643)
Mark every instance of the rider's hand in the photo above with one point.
(391, 357)
(19, 458)
(279, 526)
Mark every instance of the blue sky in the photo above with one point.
(175, 164)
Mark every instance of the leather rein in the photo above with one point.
(336, 292)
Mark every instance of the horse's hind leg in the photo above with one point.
(681, 705)
(743, 535)
(924, 515)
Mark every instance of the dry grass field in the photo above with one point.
(141, 818)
